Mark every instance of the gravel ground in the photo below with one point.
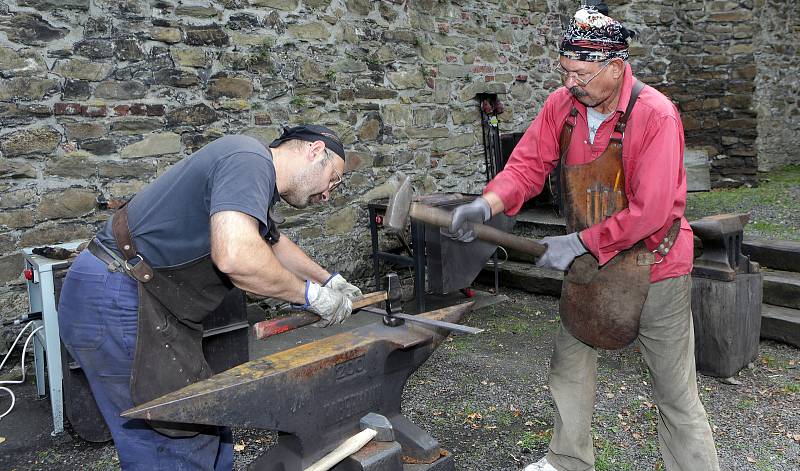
(485, 399)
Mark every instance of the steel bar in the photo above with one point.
(446, 325)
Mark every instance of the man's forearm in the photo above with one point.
(238, 250)
(296, 261)
(495, 203)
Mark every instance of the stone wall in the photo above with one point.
(777, 95)
(99, 96)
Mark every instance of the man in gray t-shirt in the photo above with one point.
(132, 302)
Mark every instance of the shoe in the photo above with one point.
(541, 465)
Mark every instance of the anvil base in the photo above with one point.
(385, 456)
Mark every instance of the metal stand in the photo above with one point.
(446, 265)
(415, 259)
(42, 297)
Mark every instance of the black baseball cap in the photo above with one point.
(311, 133)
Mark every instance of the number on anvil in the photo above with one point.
(350, 368)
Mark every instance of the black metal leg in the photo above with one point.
(418, 245)
(373, 229)
(496, 274)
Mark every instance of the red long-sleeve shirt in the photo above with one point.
(652, 158)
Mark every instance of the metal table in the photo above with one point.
(43, 297)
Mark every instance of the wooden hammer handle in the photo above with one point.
(350, 446)
(441, 218)
(369, 299)
(279, 325)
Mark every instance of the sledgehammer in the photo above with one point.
(401, 207)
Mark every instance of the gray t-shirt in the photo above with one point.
(170, 219)
(595, 119)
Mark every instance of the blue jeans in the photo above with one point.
(97, 316)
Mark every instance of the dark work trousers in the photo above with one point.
(97, 315)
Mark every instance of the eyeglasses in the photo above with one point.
(334, 184)
(578, 77)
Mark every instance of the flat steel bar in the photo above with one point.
(411, 318)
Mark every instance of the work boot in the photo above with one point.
(541, 465)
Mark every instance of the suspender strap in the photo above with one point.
(122, 235)
(566, 133)
(623, 120)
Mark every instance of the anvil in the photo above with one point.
(315, 394)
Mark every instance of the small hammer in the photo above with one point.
(392, 295)
(401, 207)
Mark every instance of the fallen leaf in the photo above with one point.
(238, 447)
(2, 439)
(750, 459)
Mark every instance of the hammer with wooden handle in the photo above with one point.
(401, 207)
(279, 325)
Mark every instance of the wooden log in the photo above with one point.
(727, 322)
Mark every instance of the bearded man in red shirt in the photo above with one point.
(628, 251)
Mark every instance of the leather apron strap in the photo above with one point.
(173, 302)
(140, 271)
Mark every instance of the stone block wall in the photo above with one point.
(99, 96)
(777, 95)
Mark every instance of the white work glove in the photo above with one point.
(337, 282)
(331, 305)
(464, 216)
(561, 251)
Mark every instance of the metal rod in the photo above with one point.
(446, 325)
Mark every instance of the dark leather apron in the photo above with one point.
(169, 343)
(601, 306)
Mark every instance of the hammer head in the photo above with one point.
(399, 206)
(394, 294)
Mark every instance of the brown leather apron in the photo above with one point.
(169, 343)
(601, 306)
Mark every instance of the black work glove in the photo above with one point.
(561, 251)
(464, 216)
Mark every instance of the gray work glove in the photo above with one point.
(337, 282)
(331, 305)
(561, 250)
(464, 216)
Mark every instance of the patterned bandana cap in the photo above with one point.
(594, 37)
